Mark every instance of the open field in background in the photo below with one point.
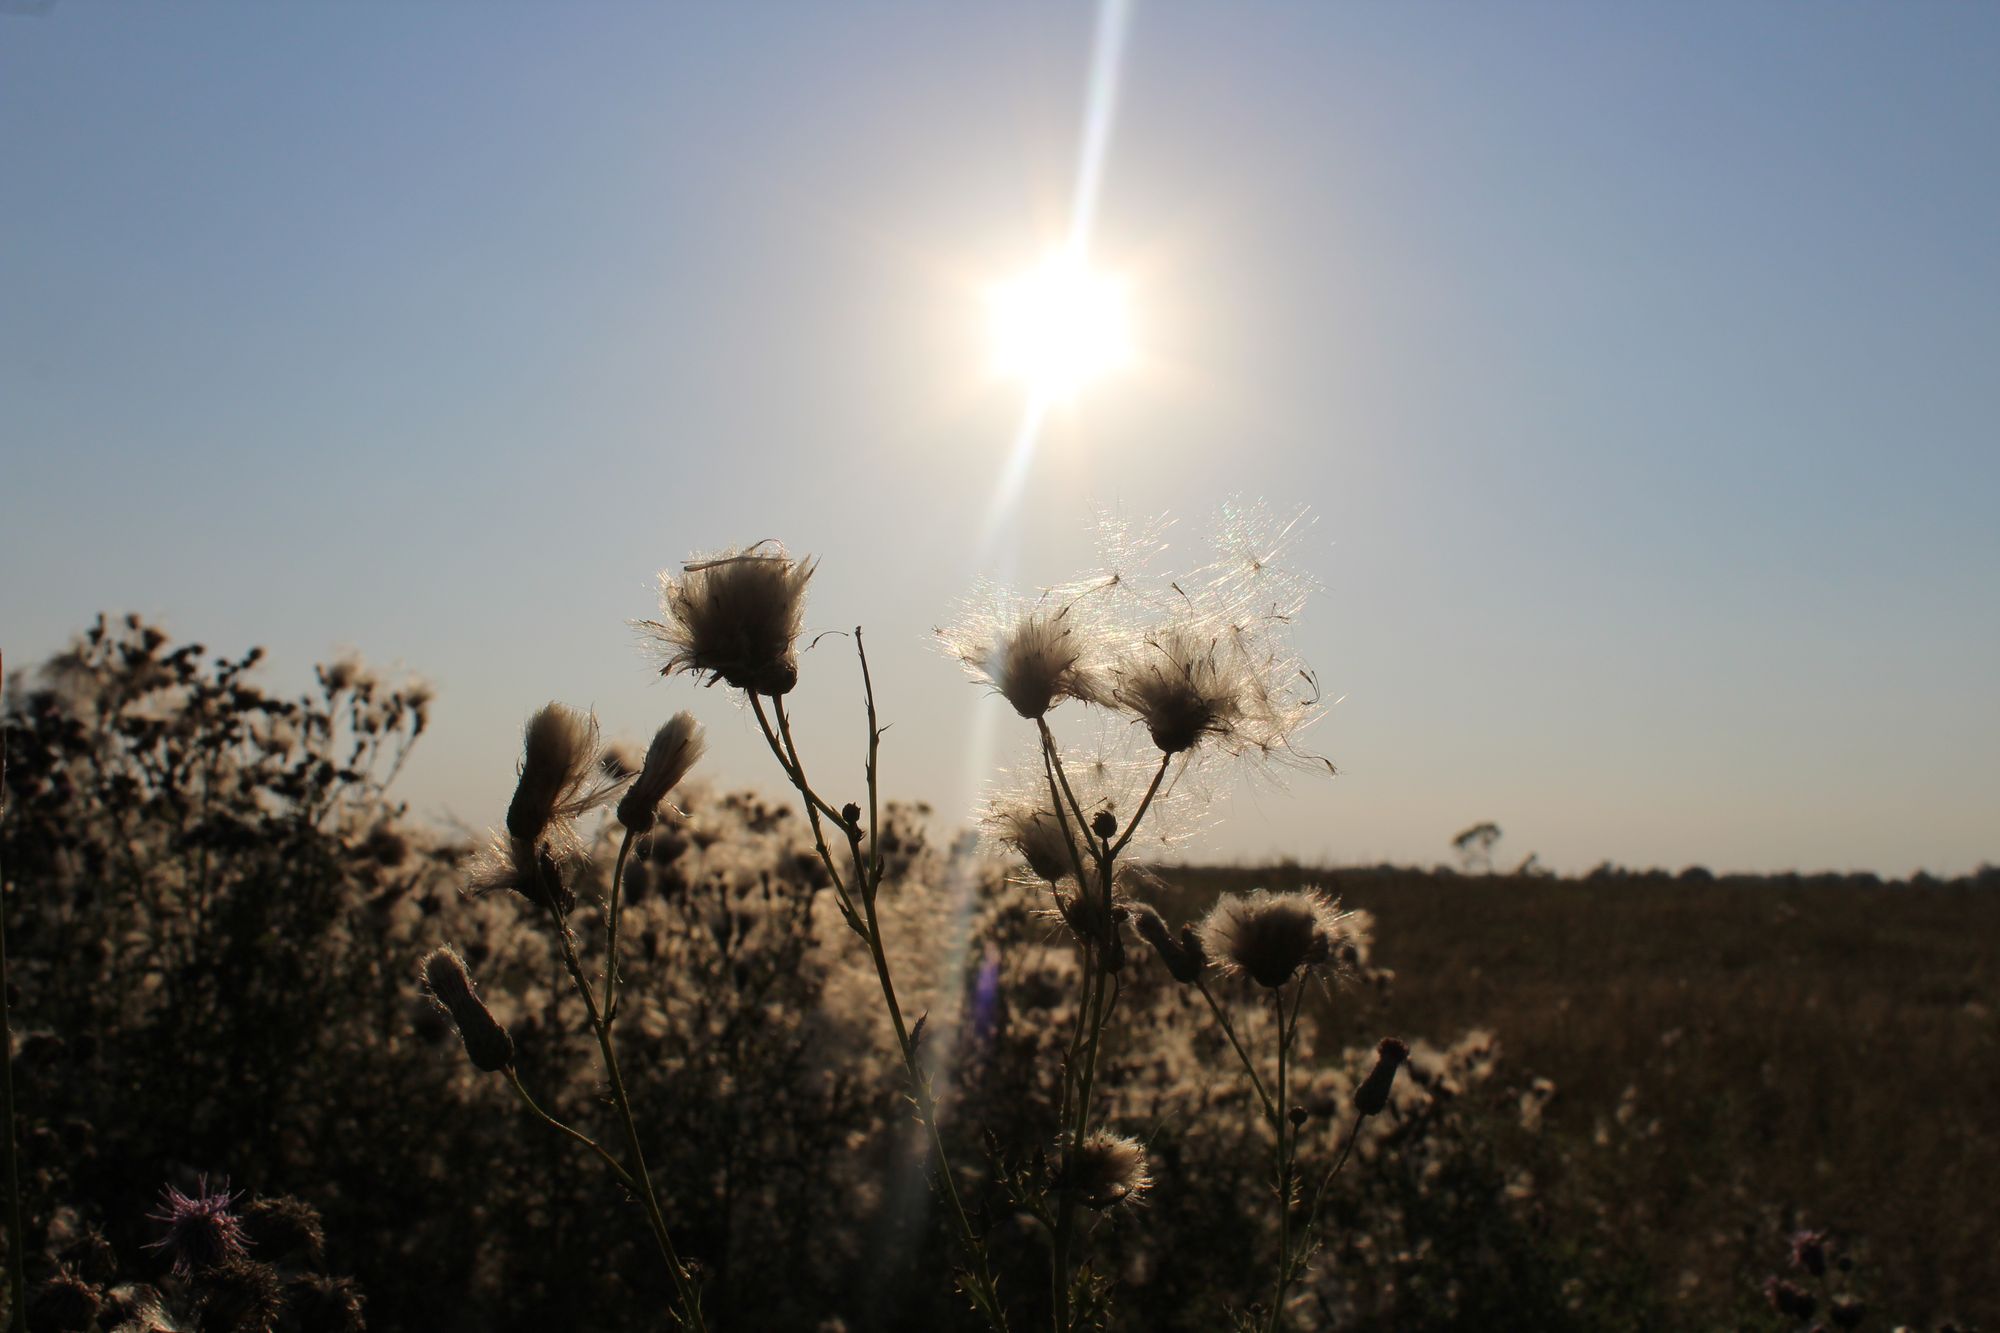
(1732, 1057)
(215, 909)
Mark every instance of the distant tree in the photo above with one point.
(1475, 847)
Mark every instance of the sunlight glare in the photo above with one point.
(1060, 326)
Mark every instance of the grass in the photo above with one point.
(1815, 1051)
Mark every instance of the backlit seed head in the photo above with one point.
(324, 1304)
(560, 777)
(734, 617)
(1034, 655)
(445, 977)
(283, 1227)
(1108, 1169)
(1026, 825)
(674, 750)
(240, 1296)
(1270, 936)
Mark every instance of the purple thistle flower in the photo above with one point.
(201, 1229)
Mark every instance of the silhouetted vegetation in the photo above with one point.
(1637, 1086)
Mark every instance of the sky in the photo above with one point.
(1639, 365)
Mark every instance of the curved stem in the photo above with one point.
(617, 1167)
(864, 922)
(1229, 1031)
(683, 1284)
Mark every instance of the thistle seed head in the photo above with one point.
(1270, 936)
(734, 617)
(450, 985)
(518, 866)
(240, 1296)
(1034, 656)
(1030, 828)
(560, 777)
(675, 748)
(1108, 1169)
(324, 1304)
(283, 1227)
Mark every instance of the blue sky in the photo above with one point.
(1638, 364)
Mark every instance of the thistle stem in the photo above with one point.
(864, 922)
(612, 988)
(1229, 1031)
(683, 1284)
(617, 1167)
(1284, 1166)
(17, 1309)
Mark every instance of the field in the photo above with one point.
(246, 1105)
(1786, 1052)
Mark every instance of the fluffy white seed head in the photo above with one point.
(1034, 655)
(560, 776)
(735, 617)
(1024, 824)
(1108, 1169)
(1270, 936)
(674, 750)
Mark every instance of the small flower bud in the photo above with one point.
(1104, 824)
(1373, 1094)
(1298, 1116)
(1183, 966)
(850, 815)
(450, 985)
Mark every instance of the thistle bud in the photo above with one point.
(1298, 1116)
(1373, 1094)
(850, 815)
(559, 756)
(1104, 824)
(450, 985)
(1184, 967)
(673, 752)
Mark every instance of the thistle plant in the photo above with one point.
(563, 775)
(735, 617)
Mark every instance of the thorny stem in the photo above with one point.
(17, 1309)
(690, 1298)
(865, 923)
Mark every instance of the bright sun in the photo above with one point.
(1059, 326)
